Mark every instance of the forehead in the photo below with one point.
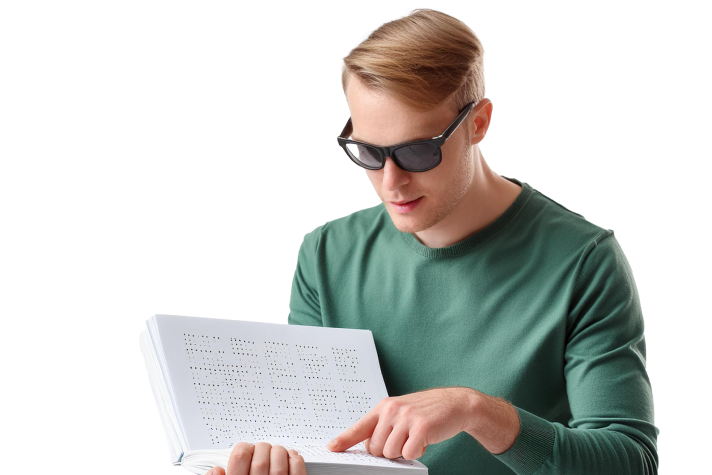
(381, 119)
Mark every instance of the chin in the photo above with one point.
(407, 224)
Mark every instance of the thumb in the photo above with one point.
(361, 430)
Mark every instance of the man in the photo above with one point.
(508, 328)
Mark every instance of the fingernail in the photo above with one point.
(331, 444)
(210, 472)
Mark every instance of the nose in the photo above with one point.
(393, 175)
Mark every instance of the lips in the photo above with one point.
(403, 207)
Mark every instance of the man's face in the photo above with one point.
(381, 120)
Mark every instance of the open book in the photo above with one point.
(219, 382)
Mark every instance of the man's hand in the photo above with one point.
(262, 459)
(406, 425)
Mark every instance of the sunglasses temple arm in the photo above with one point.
(450, 130)
(347, 130)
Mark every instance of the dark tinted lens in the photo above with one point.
(418, 157)
(364, 154)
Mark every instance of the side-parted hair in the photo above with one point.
(423, 60)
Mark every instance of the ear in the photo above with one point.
(479, 120)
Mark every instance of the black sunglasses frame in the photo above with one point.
(388, 151)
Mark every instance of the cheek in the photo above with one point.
(456, 159)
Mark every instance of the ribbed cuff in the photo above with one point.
(533, 446)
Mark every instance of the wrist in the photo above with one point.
(493, 422)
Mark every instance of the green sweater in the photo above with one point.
(539, 308)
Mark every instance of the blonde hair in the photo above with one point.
(424, 60)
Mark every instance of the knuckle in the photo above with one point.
(384, 402)
(239, 453)
(260, 466)
(410, 453)
(372, 450)
(392, 408)
(375, 448)
(390, 452)
(418, 432)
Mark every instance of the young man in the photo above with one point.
(508, 328)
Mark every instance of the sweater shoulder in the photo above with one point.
(563, 228)
(352, 228)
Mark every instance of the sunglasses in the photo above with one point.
(417, 156)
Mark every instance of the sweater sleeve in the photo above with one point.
(612, 425)
(304, 307)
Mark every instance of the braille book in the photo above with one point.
(219, 382)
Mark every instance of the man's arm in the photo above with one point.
(611, 430)
(612, 426)
(304, 307)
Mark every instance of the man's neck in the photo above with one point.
(487, 198)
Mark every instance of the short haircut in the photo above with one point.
(424, 59)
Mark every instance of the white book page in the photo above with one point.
(161, 397)
(283, 384)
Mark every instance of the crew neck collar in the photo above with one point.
(474, 239)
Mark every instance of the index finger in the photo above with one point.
(360, 430)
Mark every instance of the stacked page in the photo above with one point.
(219, 382)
